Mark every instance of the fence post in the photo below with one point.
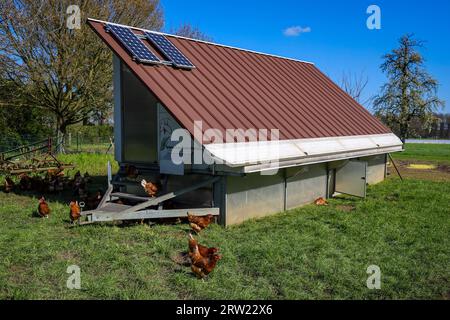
(78, 141)
(109, 171)
(50, 145)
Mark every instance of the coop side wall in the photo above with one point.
(253, 196)
(256, 195)
(305, 184)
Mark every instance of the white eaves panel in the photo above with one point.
(242, 154)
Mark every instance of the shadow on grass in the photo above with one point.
(35, 215)
(348, 199)
(67, 195)
(150, 222)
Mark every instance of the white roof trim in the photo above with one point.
(202, 41)
(302, 151)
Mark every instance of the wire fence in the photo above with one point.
(12, 142)
(79, 142)
(73, 143)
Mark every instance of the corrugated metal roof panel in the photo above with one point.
(232, 88)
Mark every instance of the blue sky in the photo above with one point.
(338, 40)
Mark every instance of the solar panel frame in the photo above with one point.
(133, 44)
(169, 50)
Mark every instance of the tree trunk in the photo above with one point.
(404, 128)
(61, 134)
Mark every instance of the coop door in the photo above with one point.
(351, 178)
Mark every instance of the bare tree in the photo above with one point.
(64, 71)
(354, 84)
(189, 31)
(410, 93)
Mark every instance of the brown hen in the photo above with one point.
(321, 202)
(9, 185)
(150, 188)
(198, 223)
(94, 201)
(131, 172)
(43, 208)
(75, 211)
(25, 182)
(204, 251)
(202, 266)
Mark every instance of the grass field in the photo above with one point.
(425, 152)
(308, 253)
(423, 155)
(94, 163)
(91, 148)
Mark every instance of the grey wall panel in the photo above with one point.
(305, 184)
(253, 196)
(375, 168)
(139, 119)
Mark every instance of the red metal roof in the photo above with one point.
(232, 88)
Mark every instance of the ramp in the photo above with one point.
(146, 208)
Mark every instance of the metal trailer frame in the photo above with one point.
(10, 162)
(107, 210)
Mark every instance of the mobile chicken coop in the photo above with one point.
(327, 143)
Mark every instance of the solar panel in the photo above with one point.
(169, 50)
(133, 44)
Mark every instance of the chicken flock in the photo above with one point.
(55, 181)
(203, 260)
